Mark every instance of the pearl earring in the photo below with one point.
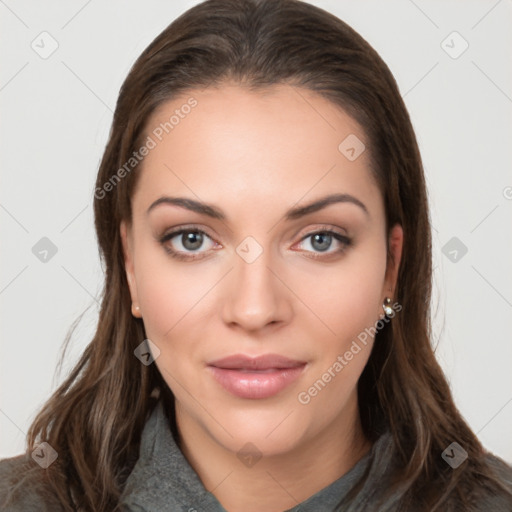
(386, 306)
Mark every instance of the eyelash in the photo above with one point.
(345, 241)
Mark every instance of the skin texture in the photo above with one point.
(254, 156)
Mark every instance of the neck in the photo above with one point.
(277, 482)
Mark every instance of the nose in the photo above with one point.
(255, 297)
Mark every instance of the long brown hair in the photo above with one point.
(95, 418)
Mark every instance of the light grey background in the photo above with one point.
(56, 114)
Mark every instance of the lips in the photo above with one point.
(255, 377)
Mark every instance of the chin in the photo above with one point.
(270, 432)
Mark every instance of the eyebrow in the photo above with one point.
(292, 214)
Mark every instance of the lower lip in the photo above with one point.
(256, 385)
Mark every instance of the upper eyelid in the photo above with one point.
(308, 231)
(183, 229)
(323, 229)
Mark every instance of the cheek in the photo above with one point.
(348, 296)
(350, 306)
(167, 297)
(167, 293)
(349, 301)
(173, 298)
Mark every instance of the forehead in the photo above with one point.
(231, 145)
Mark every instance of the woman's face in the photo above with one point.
(248, 266)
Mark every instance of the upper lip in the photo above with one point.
(263, 362)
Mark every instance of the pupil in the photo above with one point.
(192, 240)
(324, 241)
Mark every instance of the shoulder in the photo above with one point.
(498, 501)
(22, 487)
(486, 496)
(501, 468)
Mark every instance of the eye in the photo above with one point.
(320, 242)
(185, 244)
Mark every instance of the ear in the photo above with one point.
(395, 244)
(127, 243)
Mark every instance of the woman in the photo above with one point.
(264, 336)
